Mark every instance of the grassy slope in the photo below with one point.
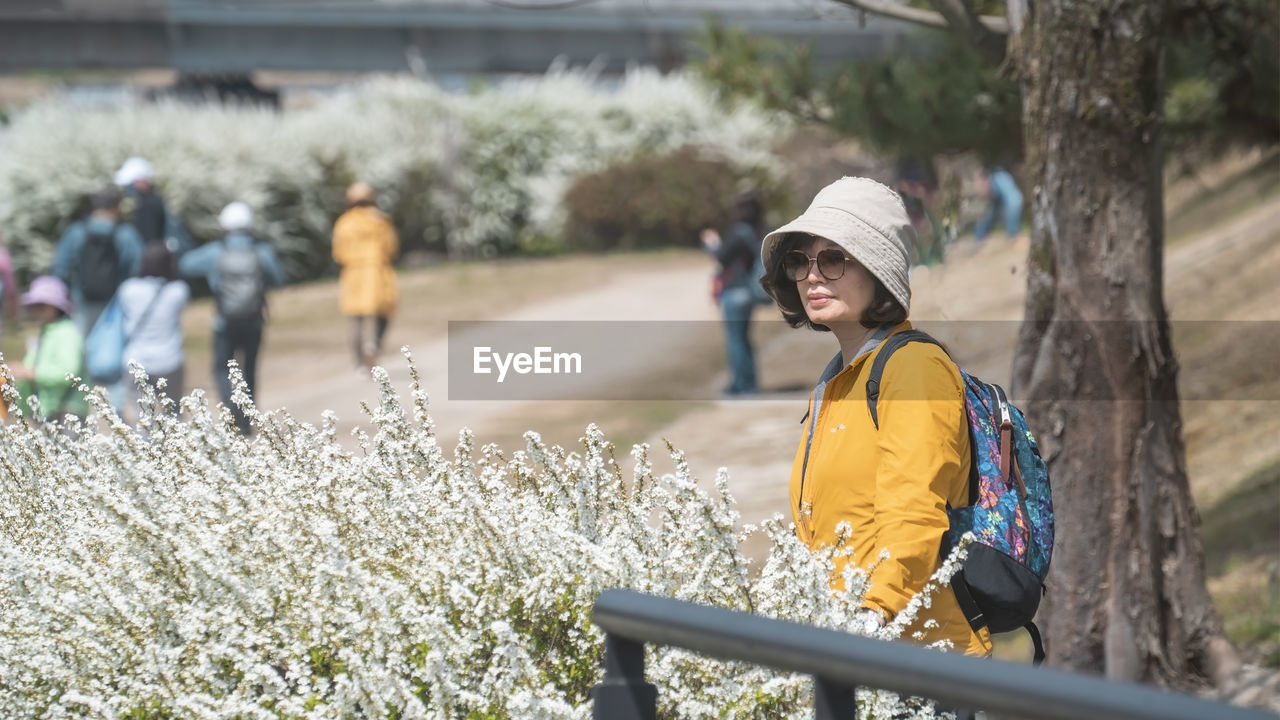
(1228, 350)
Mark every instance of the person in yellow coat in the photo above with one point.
(365, 246)
(842, 267)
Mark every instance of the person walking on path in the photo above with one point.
(736, 257)
(1004, 202)
(365, 245)
(8, 286)
(56, 352)
(239, 269)
(151, 216)
(152, 304)
(841, 267)
(94, 256)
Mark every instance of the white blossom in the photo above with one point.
(177, 569)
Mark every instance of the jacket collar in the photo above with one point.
(838, 365)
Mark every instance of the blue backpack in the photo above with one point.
(1010, 509)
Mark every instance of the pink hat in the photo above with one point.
(48, 290)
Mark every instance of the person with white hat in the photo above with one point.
(151, 216)
(56, 352)
(239, 270)
(841, 267)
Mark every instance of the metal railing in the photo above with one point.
(840, 662)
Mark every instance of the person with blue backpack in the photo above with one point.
(737, 288)
(94, 256)
(899, 444)
(239, 270)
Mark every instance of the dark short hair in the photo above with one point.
(108, 198)
(884, 309)
(157, 261)
(748, 208)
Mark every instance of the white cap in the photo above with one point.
(236, 216)
(133, 170)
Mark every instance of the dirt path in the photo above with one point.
(307, 387)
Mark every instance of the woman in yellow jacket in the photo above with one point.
(842, 267)
(365, 245)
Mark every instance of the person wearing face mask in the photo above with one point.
(841, 267)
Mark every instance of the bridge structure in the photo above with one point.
(236, 37)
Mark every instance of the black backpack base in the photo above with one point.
(1005, 587)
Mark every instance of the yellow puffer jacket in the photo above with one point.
(891, 485)
(364, 244)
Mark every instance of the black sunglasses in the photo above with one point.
(831, 263)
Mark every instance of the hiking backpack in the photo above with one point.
(97, 270)
(1010, 511)
(242, 288)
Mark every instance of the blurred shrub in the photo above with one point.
(1223, 69)
(472, 174)
(649, 202)
(1192, 102)
(941, 97)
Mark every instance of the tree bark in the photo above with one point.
(1095, 366)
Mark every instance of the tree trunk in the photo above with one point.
(1095, 368)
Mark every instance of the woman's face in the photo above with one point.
(43, 314)
(835, 302)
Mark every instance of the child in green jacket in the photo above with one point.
(56, 352)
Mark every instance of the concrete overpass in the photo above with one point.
(437, 36)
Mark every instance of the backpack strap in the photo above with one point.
(972, 614)
(890, 346)
(1034, 631)
(146, 312)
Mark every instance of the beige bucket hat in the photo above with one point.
(865, 218)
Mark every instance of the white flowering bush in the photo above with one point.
(469, 172)
(179, 570)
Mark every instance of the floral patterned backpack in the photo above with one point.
(1010, 511)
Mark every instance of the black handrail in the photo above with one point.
(840, 661)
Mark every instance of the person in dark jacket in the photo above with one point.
(736, 256)
(236, 266)
(151, 217)
(90, 269)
